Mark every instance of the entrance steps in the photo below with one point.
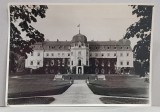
(79, 76)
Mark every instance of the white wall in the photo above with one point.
(124, 58)
(35, 58)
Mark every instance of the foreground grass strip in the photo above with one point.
(109, 100)
(31, 100)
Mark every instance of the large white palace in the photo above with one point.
(80, 56)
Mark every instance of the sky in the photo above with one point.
(97, 22)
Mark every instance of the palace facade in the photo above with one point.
(80, 56)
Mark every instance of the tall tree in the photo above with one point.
(141, 30)
(22, 33)
(21, 18)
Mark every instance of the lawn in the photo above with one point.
(112, 100)
(125, 86)
(36, 85)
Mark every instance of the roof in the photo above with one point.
(123, 44)
(79, 38)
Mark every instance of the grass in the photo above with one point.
(111, 100)
(32, 100)
(124, 86)
(35, 85)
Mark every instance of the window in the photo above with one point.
(127, 47)
(96, 70)
(63, 62)
(108, 64)
(121, 47)
(52, 62)
(108, 47)
(52, 54)
(96, 54)
(59, 62)
(58, 54)
(102, 71)
(108, 54)
(87, 53)
(102, 63)
(47, 54)
(62, 54)
(31, 63)
(38, 62)
(87, 63)
(127, 54)
(121, 54)
(71, 53)
(102, 54)
(79, 52)
(96, 62)
(127, 62)
(68, 54)
(68, 61)
(38, 54)
(72, 62)
(115, 47)
(121, 63)
(114, 54)
(90, 54)
(32, 54)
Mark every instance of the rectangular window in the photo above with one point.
(31, 63)
(38, 54)
(121, 63)
(121, 54)
(62, 54)
(52, 54)
(47, 54)
(127, 54)
(102, 54)
(96, 54)
(68, 54)
(127, 62)
(79, 52)
(114, 54)
(72, 62)
(63, 62)
(32, 54)
(59, 62)
(71, 53)
(68, 61)
(58, 54)
(108, 54)
(38, 62)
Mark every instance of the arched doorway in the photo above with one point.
(79, 70)
(79, 62)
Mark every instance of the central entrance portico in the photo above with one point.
(79, 70)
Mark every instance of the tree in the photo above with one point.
(141, 30)
(21, 18)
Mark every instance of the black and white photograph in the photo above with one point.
(79, 54)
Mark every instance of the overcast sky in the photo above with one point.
(97, 22)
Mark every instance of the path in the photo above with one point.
(78, 93)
